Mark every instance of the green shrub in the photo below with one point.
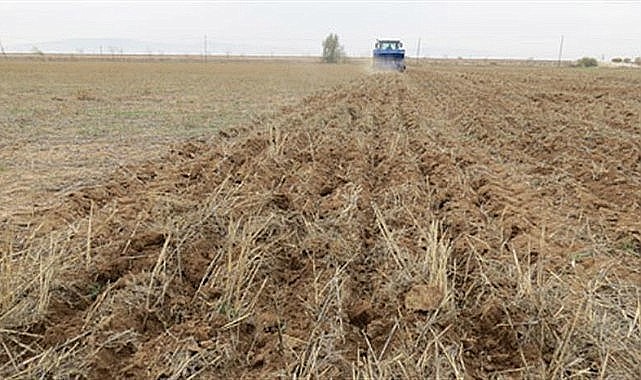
(617, 60)
(587, 62)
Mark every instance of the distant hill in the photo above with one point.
(131, 46)
(106, 46)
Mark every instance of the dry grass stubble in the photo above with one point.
(358, 235)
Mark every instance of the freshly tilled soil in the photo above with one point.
(467, 223)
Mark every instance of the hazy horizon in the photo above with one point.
(498, 29)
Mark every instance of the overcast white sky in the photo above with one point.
(516, 28)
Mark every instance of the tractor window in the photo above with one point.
(389, 45)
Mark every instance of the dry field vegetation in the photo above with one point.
(281, 220)
(68, 123)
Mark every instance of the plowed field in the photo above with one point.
(449, 222)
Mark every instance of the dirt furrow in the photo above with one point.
(398, 226)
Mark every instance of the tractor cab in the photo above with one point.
(389, 55)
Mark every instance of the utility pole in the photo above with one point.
(418, 50)
(4, 54)
(205, 48)
(560, 51)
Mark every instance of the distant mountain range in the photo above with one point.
(107, 46)
(113, 46)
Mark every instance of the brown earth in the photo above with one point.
(468, 223)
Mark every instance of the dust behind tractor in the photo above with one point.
(389, 55)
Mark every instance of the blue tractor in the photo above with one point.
(389, 55)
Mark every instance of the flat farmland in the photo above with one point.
(297, 220)
(64, 124)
